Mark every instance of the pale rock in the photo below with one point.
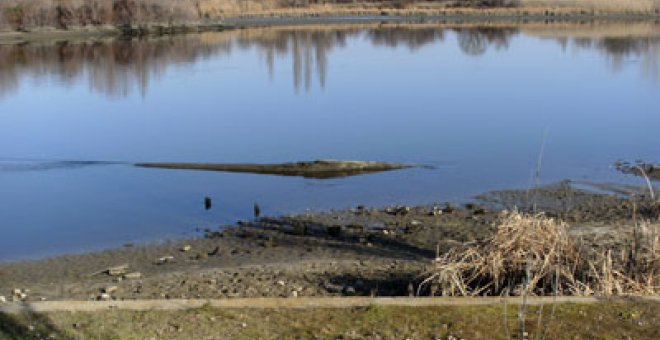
(132, 276)
(110, 289)
(164, 259)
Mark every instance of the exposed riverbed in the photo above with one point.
(359, 251)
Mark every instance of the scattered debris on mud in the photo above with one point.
(359, 251)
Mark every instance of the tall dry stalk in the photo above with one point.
(648, 181)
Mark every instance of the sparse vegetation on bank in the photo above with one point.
(607, 320)
(24, 15)
(368, 252)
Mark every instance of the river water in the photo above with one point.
(473, 104)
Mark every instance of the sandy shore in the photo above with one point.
(361, 251)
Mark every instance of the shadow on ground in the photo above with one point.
(389, 284)
(28, 325)
(361, 242)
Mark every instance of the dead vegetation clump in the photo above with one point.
(534, 255)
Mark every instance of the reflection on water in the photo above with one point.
(30, 165)
(620, 50)
(118, 67)
(473, 102)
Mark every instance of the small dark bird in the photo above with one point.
(257, 210)
(207, 203)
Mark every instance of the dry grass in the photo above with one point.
(63, 14)
(534, 255)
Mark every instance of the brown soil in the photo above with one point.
(607, 320)
(360, 251)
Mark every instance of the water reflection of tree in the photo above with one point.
(114, 68)
(413, 38)
(120, 67)
(309, 51)
(475, 41)
(619, 50)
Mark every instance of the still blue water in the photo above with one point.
(474, 104)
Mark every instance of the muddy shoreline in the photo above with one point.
(361, 251)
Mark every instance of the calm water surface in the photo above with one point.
(474, 104)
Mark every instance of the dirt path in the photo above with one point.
(308, 302)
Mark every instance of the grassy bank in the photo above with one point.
(28, 15)
(611, 320)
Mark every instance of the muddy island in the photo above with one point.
(319, 169)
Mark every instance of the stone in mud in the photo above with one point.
(398, 211)
(334, 230)
(110, 289)
(19, 294)
(132, 276)
(3, 299)
(103, 297)
(164, 260)
(349, 290)
(186, 248)
(117, 270)
(435, 211)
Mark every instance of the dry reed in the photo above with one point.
(63, 14)
(534, 254)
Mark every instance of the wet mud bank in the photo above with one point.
(361, 251)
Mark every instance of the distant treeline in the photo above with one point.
(63, 14)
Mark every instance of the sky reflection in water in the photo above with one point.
(472, 102)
